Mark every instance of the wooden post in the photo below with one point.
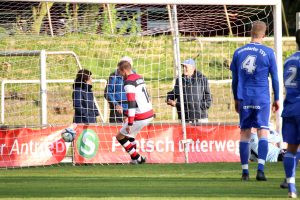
(75, 16)
(228, 20)
(284, 20)
(170, 19)
(49, 19)
(110, 19)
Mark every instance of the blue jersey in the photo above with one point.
(291, 75)
(251, 66)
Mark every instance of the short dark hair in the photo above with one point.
(297, 35)
(83, 75)
(124, 65)
(258, 29)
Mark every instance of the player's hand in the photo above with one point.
(119, 109)
(171, 102)
(237, 106)
(275, 106)
(128, 129)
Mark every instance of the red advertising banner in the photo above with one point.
(27, 147)
(160, 144)
(97, 144)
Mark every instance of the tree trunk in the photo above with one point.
(75, 16)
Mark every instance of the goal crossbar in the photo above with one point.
(38, 53)
(172, 2)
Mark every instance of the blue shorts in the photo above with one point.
(291, 129)
(254, 115)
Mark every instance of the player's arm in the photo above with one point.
(130, 90)
(172, 95)
(77, 103)
(275, 81)
(233, 68)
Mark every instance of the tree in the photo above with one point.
(38, 14)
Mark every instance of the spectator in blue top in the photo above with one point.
(83, 98)
(115, 95)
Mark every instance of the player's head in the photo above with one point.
(258, 30)
(189, 67)
(128, 59)
(124, 68)
(83, 76)
(297, 35)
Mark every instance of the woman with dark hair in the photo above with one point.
(83, 98)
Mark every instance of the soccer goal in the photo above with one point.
(39, 112)
(158, 36)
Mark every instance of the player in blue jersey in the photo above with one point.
(251, 66)
(291, 116)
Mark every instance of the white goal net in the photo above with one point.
(100, 35)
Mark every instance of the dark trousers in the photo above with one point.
(114, 116)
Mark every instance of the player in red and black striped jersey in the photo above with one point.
(139, 113)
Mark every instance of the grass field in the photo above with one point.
(150, 181)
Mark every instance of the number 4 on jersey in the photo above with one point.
(249, 64)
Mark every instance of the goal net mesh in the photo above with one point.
(100, 35)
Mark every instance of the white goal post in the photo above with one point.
(158, 36)
(103, 114)
(171, 2)
(44, 81)
(276, 12)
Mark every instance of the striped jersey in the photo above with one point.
(139, 103)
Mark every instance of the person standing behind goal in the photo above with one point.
(251, 66)
(196, 94)
(139, 113)
(115, 94)
(83, 98)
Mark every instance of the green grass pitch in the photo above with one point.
(149, 181)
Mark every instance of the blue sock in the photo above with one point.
(289, 163)
(244, 155)
(263, 148)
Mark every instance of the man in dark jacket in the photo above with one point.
(196, 94)
(115, 95)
